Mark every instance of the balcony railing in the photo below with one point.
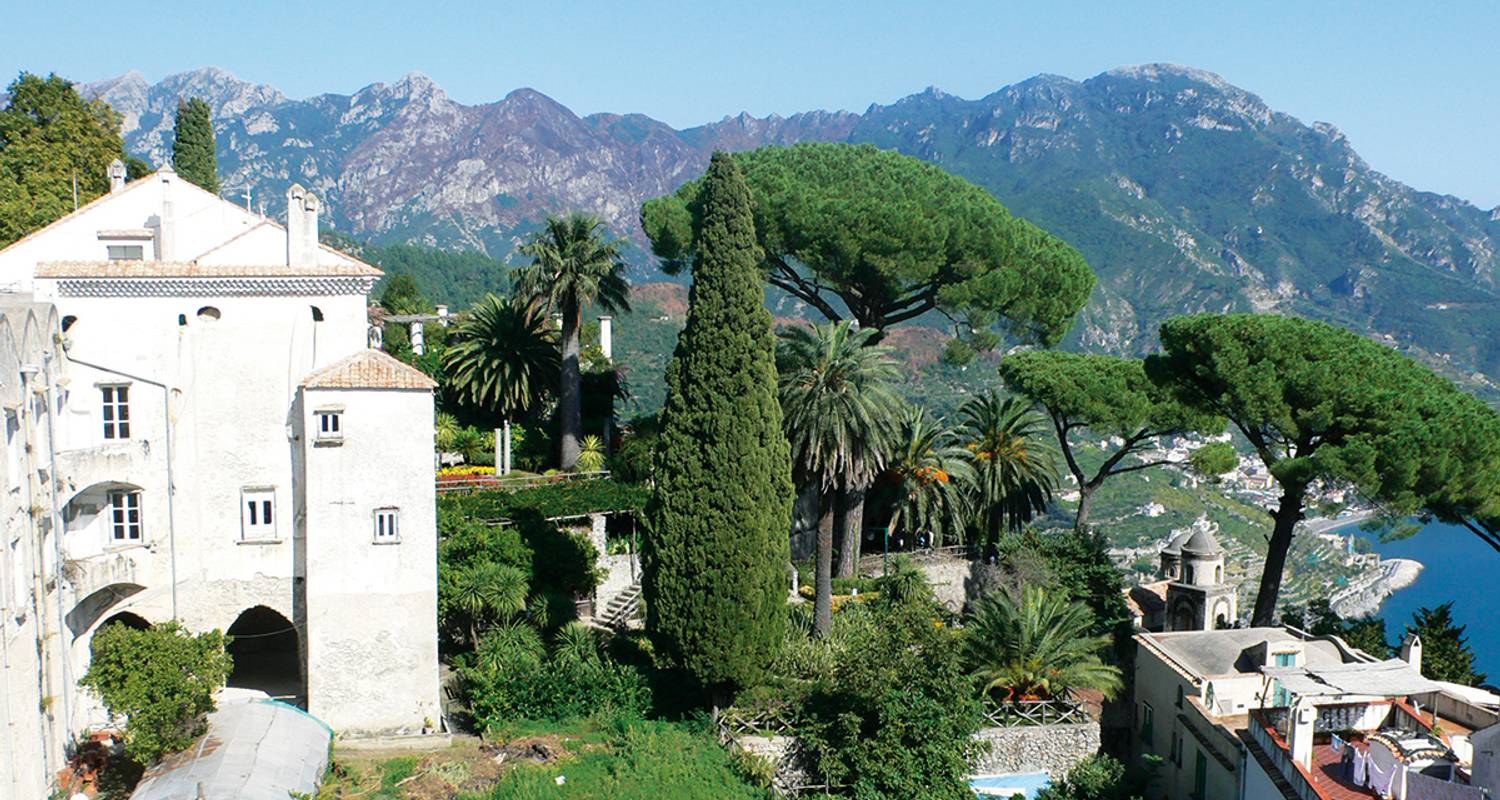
(1028, 713)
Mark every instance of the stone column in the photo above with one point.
(418, 339)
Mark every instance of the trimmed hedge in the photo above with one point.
(562, 499)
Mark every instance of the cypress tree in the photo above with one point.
(716, 555)
(193, 153)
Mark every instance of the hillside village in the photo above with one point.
(278, 524)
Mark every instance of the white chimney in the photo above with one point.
(442, 312)
(1302, 717)
(166, 225)
(301, 226)
(607, 337)
(1411, 651)
(296, 197)
(116, 175)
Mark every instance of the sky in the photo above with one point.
(1413, 85)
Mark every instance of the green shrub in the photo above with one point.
(512, 676)
(1100, 777)
(565, 498)
(640, 761)
(896, 716)
(161, 680)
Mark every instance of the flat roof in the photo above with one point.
(1221, 652)
(1390, 678)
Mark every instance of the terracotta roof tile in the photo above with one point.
(1147, 598)
(368, 369)
(180, 269)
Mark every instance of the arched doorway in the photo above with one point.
(266, 653)
(129, 620)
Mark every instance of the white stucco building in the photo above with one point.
(1268, 713)
(197, 429)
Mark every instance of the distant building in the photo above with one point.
(1192, 592)
(197, 430)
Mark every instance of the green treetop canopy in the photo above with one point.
(888, 238)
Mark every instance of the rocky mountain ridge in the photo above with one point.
(1185, 192)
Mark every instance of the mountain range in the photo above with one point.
(1184, 192)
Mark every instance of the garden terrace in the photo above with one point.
(555, 500)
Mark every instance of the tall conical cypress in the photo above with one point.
(716, 557)
(193, 153)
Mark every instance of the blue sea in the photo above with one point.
(1458, 567)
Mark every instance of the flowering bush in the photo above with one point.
(466, 470)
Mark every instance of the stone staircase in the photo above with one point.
(622, 610)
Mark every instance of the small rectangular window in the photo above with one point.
(1148, 720)
(126, 252)
(330, 425)
(258, 515)
(125, 517)
(116, 410)
(387, 530)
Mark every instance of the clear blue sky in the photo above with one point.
(1412, 84)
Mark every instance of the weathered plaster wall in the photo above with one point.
(372, 607)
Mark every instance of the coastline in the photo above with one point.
(1363, 601)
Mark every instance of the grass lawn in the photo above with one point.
(633, 760)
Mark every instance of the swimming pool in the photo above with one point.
(1026, 784)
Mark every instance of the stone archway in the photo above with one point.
(126, 618)
(267, 655)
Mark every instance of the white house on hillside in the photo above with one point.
(196, 429)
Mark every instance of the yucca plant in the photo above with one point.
(591, 455)
(1037, 648)
(447, 429)
(488, 591)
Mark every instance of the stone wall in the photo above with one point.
(781, 752)
(1054, 749)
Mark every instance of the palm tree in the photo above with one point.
(1015, 461)
(572, 264)
(488, 591)
(1038, 648)
(838, 409)
(502, 356)
(933, 478)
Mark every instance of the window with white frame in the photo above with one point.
(387, 525)
(258, 514)
(125, 517)
(330, 422)
(116, 409)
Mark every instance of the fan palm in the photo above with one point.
(502, 356)
(838, 409)
(486, 591)
(1038, 648)
(573, 264)
(1015, 461)
(933, 477)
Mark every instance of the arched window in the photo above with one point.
(1219, 574)
(208, 314)
(182, 320)
(68, 321)
(317, 314)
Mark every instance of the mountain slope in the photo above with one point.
(1185, 193)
